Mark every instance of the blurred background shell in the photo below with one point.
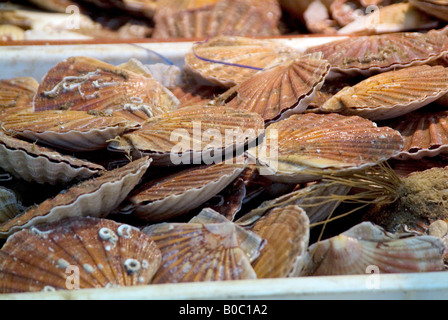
(17, 94)
(10, 205)
(77, 253)
(436, 8)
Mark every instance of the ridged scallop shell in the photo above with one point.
(425, 134)
(95, 197)
(368, 55)
(77, 253)
(404, 168)
(280, 91)
(227, 61)
(176, 194)
(11, 33)
(436, 8)
(193, 94)
(286, 231)
(367, 247)
(78, 131)
(33, 163)
(302, 147)
(399, 17)
(197, 19)
(391, 94)
(192, 135)
(54, 5)
(84, 83)
(10, 206)
(345, 12)
(16, 95)
(170, 76)
(195, 251)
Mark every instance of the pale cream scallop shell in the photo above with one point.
(10, 206)
(96, 197)
(33, 163)
(366, 247)
(436, 8)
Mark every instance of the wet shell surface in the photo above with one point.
(16, 95)
(10, 206)
(69, 130)
(196, 94)
(227, 61)
(368, 55)
(77, 253)
(33, 163)
(195, 251)
(425, 134)
(84, 83)
(283, 255)
(436, 8)
(176, 194)
(192, 135)
(95, 197)
(302, 147)
(280, 91)
(54, 5)
(366, 247)
(391, 94)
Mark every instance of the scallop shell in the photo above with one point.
(16, 95)
(227, 61)
(404, 168)
(286, 231)
(367, 55)
(317, 19)
(95, 197)
(303, 147)
(77, 253)
(11, 33)
(436, 8)
(169, 76)
(54, 5)
(425, 134)
(346, 11)
(10, 206)
(78, 131)
(30, 162)
(197, 19)
(391, 94)
(367, 247)
(83, 83)
(176, 194)
(189, 94)
(195, 251)
(193, 135)
(280, 91)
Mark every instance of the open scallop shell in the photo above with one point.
(204, 251)
(193, 135)
(368, 55)
(95, 197)
(84, 83)
(193, 19)
(391, 94)
(181, 192)
(10, 206)
(436, 8)
(16, 95)
(425, 134)
(227, 61)
(280, 91)
(32, 163)
(69, 130)
(77, 253)
(367, 247)
(302, 147)
(286, 231)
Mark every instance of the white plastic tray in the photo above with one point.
(35, 60)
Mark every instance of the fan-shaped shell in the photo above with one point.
(286, 231)
(16, 95)
(227, 61)
(189, 94)
(84, 83)
(391, 94)
(181, 192)
(425, 133)
(197, 19)
(436, 8)
(304, 146)
(367, 55)
(10, 206)
(69, 130)
(77, 253)
(359, 249)
(96, 197)
(32, 163)
(345, 12)
(200, 252)
(280, 91)
(193, 135)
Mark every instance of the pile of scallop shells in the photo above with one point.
(254, 160)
